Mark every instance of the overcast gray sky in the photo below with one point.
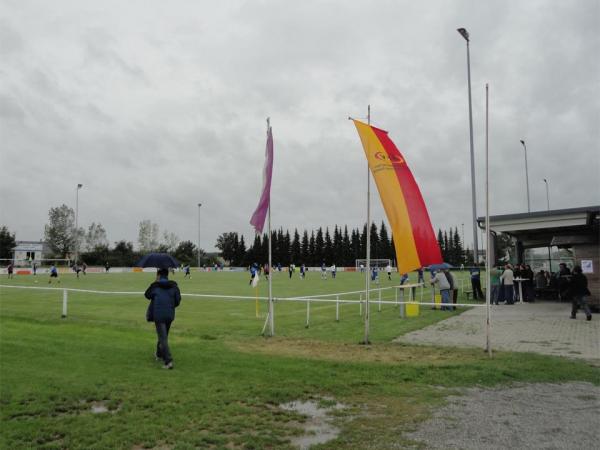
(155, 106)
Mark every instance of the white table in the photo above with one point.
(520, 281)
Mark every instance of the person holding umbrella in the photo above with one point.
(164, 296)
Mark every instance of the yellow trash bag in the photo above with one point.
(412, 310)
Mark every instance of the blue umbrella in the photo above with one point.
(440, 266)
(158, 260)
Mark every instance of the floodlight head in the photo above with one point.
(464, 33)
(79, 186)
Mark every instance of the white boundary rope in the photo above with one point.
(317, 298)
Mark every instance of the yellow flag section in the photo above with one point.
(414, 239)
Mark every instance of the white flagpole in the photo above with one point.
(488, 345)
(271, 312)
(368, 275)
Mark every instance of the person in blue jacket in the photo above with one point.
(164, 296)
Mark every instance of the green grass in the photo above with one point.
(228, 380)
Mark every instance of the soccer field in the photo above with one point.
(90, 380)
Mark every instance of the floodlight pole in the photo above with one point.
(368, 272)
(199, 205)
(547, 194)
(488, 345)
(465, 34)
(79, 186)
(526, 176)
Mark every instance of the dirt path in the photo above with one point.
(530, 416)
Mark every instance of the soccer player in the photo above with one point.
(10, 269)
(302, 271)
(186, 271)
(323, 271)
(333, 271)
(53, 274)
(388, 269)
(404, 279)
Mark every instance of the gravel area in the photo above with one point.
(526, 416)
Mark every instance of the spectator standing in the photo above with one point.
(453, 287)
(579, 292)
(507, 279)
(529, 292)
(164, 296)
(563, 279)
(495, 273)
(476, 284)
(420, 278)
(9, 269)
(444, 287)
(540, 280)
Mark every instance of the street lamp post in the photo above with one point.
(547, 194)
(465, 34)
(79, 186)
(526, 176)
(199, 205)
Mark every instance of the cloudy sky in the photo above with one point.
(156, 106)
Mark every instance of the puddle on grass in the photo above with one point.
(100, 407)
(318, 428)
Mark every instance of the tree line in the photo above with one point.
(314, 247)
(339, 246)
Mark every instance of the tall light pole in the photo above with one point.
(464, 33)
(463, 241)
(199, 205)
(79, 186)
(526, 176)
(547, 194)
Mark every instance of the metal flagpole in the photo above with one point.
(488, 345)
(368, 274)
(271, 321)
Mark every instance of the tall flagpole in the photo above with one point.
(368, 274)
(488, 345)
(271, 320)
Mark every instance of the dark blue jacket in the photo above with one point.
(164, 296)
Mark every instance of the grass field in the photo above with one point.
(228, 381)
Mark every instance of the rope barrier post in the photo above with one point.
(402, 304)
(64, 309)
(396, 294)
(307, 314)
(337, 308)
(379, 307)
(360, 306)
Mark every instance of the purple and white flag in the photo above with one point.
(258, 218)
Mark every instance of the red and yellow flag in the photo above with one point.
(414, 239)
